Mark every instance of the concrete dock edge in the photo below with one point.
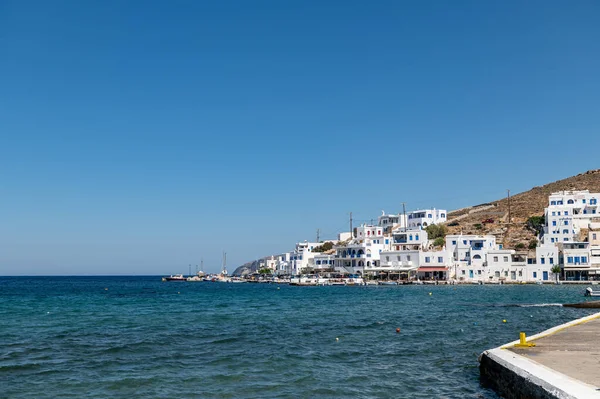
(515, 376)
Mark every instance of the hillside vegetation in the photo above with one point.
(476, 219)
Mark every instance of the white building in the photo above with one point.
(362, 251)
(391, 221)
(575, 260)
(426, 217)
(301, 256)
(568, 212)
(470, 249)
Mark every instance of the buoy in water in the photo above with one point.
(504, 321)
(337, 339)
(430, 293)
(106, 289)
(278, 288)
(398, 330)
(178, 292)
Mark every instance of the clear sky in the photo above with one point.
(139, 137)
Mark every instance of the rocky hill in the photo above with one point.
(522, 206)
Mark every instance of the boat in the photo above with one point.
(589, 291)
(175, 277)
(305, 279)
(583, 305)
(388, 283)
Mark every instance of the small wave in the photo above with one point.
(539, 305)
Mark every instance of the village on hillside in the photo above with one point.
(467, 245)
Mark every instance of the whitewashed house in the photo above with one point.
(426, 217)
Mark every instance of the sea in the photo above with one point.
(139, 337)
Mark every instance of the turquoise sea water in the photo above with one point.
(123, 337)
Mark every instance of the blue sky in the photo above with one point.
(140, 137)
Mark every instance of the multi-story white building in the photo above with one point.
(301, 255)
(391, 221)
(362, 251)
(568, 212)
(426, 217)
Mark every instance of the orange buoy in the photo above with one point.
(397, 330)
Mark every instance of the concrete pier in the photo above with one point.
(564, 363)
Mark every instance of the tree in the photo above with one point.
(520, 246)
(478, 226)
(434, 231)
(266, 270)
(556, 270)
(439, 242)
(536, 223)
(533, 244)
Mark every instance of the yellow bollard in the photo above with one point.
(523, 341)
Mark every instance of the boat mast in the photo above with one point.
(224, 272)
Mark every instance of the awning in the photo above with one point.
(432, 269)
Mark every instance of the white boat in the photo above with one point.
(304, 279)
(388, 283)
(590, 292)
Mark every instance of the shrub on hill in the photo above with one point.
(435, 231)
(323, 247)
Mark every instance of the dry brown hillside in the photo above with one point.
(522, 206)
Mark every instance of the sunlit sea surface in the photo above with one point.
(124, 337)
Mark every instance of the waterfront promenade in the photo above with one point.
(564, 363)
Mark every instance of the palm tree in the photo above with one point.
(556, 270)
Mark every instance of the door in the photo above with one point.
(545, 276)
(470, 273)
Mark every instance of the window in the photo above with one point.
(506, 274)
(495, 259)
(410, 237)
(583, 200)
(554, 223)
(417, 237)
(566, 222)
(479, 272)
(584, 259)
(593, 236)
(569, 202)
(440, 259)
(398, 257)
(566, 213)
(465, 242)
(387, 241)
(429, 216)
(453, 242)
(443, 215)
(551, 261)
(553, 213)
(552, 240)
(577, 259)
(463, 272)
(520, 273)
(387, 258)
(534, 274)
(566, 239)
(569, 259)
(408, 257)
(552, 202)
(427, 259)
(543, 261)
(506, 258)
(558, 213)
(565, 231)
